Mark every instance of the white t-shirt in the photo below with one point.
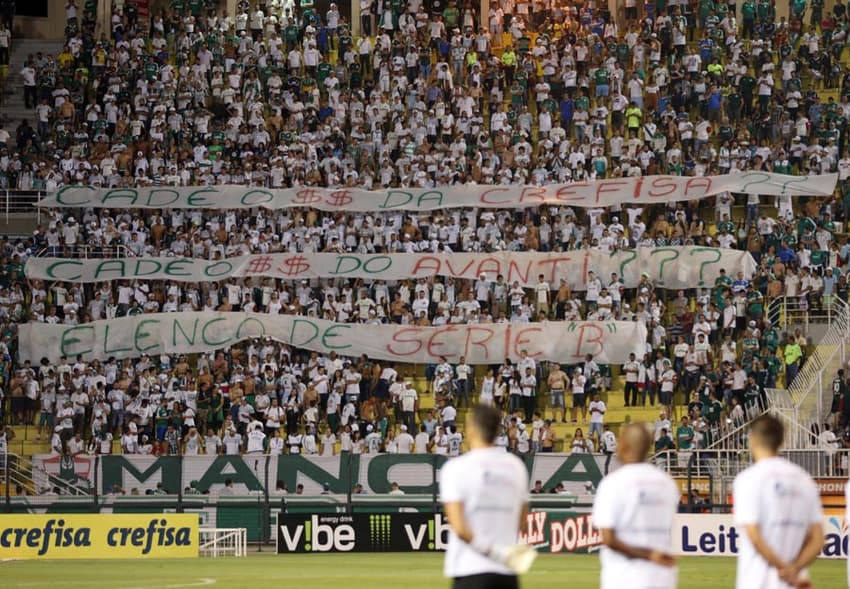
(642, 518)
(232, 444)
(256, 441)
(632, 370)
(493, 487)
(454, 440)
(405, 442)
(783, 501)
(421, 443)
(596, 416)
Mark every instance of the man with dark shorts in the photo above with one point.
(485, 494)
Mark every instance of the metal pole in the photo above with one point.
(434, 483)
(259, 510)
(690, 482)
(97, 463)
(7, 477)
(266, 506)
(180, 485)
(820, 400)
(260, 531)
(348, 507)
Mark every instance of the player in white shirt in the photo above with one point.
(636, 526)
(485, 494)
(778, 513)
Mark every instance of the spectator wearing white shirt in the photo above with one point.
(597, 416)
(463, 374)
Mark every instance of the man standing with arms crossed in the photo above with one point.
(778, 508)
(636, 526)
(485, 494)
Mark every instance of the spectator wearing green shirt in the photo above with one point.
(774, 367)
(712, 407)
(685, 435)
(602, 79)
(664, 443)
(721, 284)
(793, 355)
(634, 116)
(770, 337)
(746, 85)
(161, 420)
(729, 226)
(752, 397)
(840, 393)
(748, 18)
(451, 15)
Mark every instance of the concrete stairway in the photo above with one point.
(14, 108)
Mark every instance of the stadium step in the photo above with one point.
(14, 108)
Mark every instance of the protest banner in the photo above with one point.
(609, 342)
(597, 193)
(668, 267)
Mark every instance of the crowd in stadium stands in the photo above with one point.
(431, 94)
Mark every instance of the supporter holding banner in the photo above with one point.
(668, 267)
(608, 342)
(598, 193)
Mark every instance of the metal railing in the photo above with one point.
(787, 313)
(819, 462)
(13, 475)
(809, 396)
(20, 471)
(22, 202)
(811, 390)
(86, 251)
(215, 542)
(736, 436)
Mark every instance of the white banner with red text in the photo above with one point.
(608, 342)
(668, 267)
(596, 193)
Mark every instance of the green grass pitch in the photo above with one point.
(332, 571)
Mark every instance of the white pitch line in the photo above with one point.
(203, 582)
(200, 583)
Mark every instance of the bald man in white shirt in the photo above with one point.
(636, 526)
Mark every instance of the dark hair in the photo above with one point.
(769, 430)
(487, 420)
